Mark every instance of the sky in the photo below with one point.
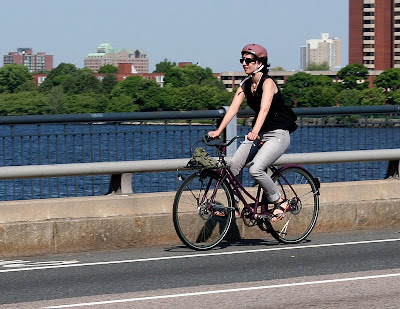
(210, 32)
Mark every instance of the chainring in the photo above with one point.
(247, 220)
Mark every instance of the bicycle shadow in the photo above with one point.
(232, 236)
(234, 239)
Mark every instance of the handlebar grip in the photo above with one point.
(207, 139)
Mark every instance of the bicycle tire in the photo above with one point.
(301, 189)
(194, 210)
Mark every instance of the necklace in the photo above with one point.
(254, 85)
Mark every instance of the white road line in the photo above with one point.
(200, 255)
(222, 291)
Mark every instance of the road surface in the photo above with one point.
(338, 270)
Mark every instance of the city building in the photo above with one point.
(374, 33)
(35, 63)
(231, 80)
(127, 69)
(106, 54)
(124, 70)
(319, 51)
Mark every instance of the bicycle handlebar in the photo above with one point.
(207, 139)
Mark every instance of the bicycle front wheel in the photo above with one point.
(301, 190)
(202, 211)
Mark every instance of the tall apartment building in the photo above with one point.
(321, 50)
(106, 54)
(374, 33)
(35, 63)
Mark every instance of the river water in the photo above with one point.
(79, 143)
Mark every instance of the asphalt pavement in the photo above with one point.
(357, 269)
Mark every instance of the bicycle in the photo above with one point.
(213, 189)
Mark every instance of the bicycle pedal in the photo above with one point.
(262, 216)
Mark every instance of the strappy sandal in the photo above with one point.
(219, 213)
(222, 214)
(237, 213)
(280, 215)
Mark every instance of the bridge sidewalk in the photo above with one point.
(31, 227)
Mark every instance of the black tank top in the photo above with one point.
(277, 117)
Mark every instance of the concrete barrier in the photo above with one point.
(31, 227)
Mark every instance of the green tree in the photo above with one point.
(175, 77)
(193, 88)
(144, 92)
(195, 97)
(23, 103)
(189, 75)
(295, 87)
(372, 96)
(121, 103)
(319, 96)
(58, 75)
(29, 85)
(389, 79)
(57, 101)
(13, 76)
(218, 98)
(109, 82)
(389, 82)
(318, 67)
(108, 68)
(164, 66)
(86, 103)
(186, 98)
(215, 83)
(354, 76)
(348, 97)
(395, 97)
(81, 81)
(322, 80)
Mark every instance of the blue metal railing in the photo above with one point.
(56, 139)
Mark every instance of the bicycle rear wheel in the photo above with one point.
(202, 211)
(300, 188)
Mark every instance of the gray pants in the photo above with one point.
(275, 144)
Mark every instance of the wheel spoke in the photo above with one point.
(284, 229)
(309, 195)
(299, 188)
(194, 212)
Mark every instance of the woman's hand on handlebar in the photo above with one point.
(214, 134)
(252, 136)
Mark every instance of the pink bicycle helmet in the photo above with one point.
(256, 50)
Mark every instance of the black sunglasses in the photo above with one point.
(247, 60)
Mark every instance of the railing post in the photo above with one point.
(120, 184)
(393, 169)
(126, 183)
(230, 132)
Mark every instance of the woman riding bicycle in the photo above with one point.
(271, 125)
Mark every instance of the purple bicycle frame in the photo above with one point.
(240, 191)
